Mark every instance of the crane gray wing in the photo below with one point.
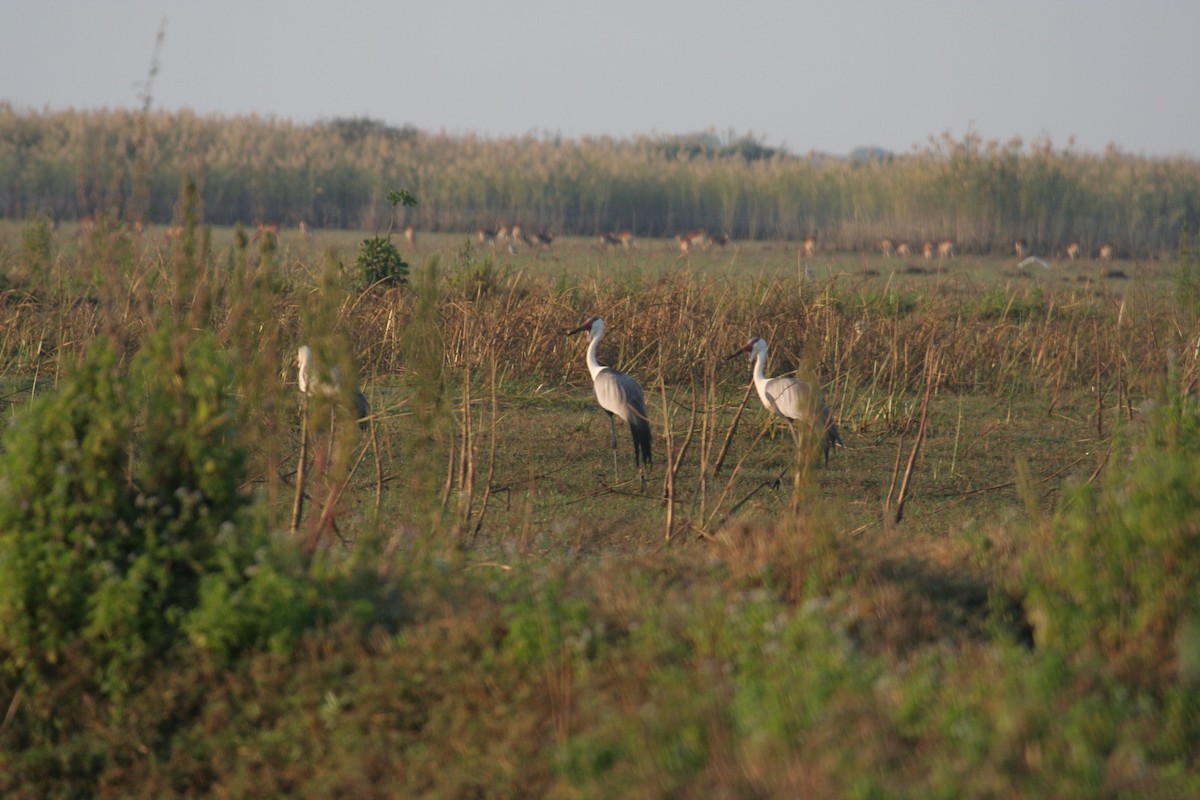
(788, 397)
(796, 399)
(620, 394)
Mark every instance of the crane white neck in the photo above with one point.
(760, 370)
(594, 366)
(760, 362)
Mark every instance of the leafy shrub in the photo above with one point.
(118, 495)
(379, 262)
(253, 598)
(64, 512)
(474, 277)
(1119, 576)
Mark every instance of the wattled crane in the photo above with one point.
(313, 384)
(316, 381)
(619, 395)
(791, 398)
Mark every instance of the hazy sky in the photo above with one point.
(806, 74)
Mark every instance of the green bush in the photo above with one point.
(1118, 577)
(118, 497)
(255, 598)
(379, 262)
(64, 512)
(475, 277)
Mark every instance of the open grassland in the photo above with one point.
(990, 591)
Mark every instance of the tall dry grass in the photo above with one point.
(982, 194)
(444, 353)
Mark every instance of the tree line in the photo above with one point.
(74, 164)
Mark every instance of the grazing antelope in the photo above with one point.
(927, 250)
(809, 247)
(609, 239)
(302, 228)
(626, 239)
(719, 239)
(488, 236)
(697, 237)
(542, 238)
(946, 248)
(1020, 247)
(691, 240)
(902, 249)
(1073, 250)
(269, 233)
(887, 248)
(410, 235)
(1106, 252)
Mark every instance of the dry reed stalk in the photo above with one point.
(1096, 380)
(466, 478)
(325, 520)
(448, 485)
(733, 475)
(706, 443)
(527, 516)
(669, 477)
(301, 468)
(732, 428)
(920, 437)
(378, 465)
(487, 489)
(677, 463)
(13, 707)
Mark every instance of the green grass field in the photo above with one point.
(474, 603)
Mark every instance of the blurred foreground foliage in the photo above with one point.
(156, 640)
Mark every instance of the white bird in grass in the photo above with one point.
(791, 398)
(312, 384)
(621, 395)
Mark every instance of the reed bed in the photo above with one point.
(982, 194)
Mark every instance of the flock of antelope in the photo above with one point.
(623, 239)
(697, 239)
(512, 235)
(700, 239)
(944, 248)
(1071, 251)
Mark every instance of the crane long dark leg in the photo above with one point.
(612, 427)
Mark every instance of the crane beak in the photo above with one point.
(587, 326)
(743, 349)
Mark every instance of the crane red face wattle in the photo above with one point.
(587, 326)
(746, 348)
